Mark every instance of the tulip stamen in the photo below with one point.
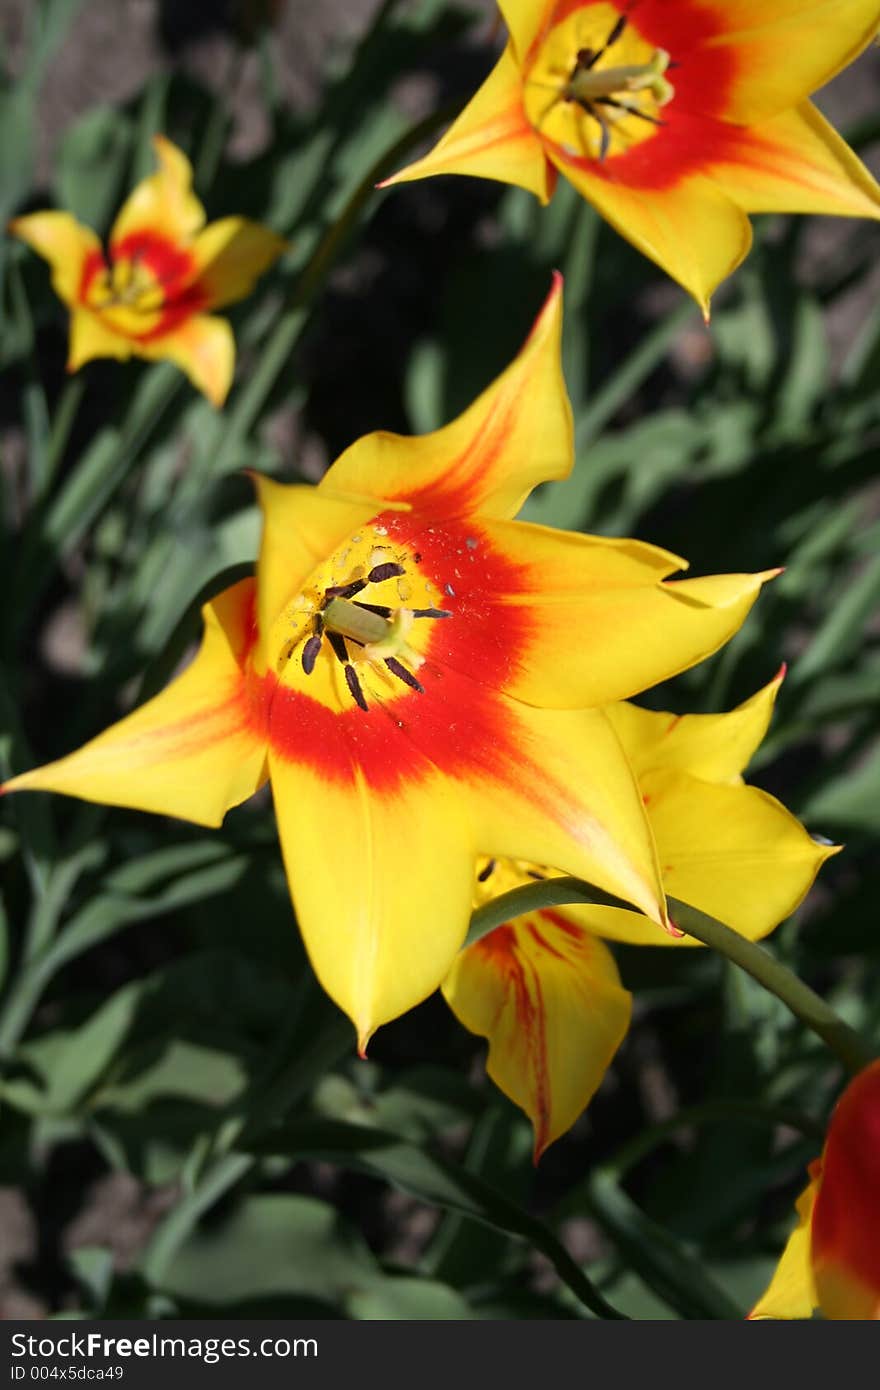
(358, 631)
(402, 674)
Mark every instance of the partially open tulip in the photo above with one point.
(544, 989)
(831, 1263)
(150, 294)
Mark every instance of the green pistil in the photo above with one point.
(592, 84)
(350, 620)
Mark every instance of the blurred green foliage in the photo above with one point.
(158, 1016)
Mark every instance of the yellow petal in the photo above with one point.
(491, 139)
(603, 625)
(516, 434)
(528, 21)
(62, 241)
(796, 162)
(164, 203)
(715, 747)
(381, 880)
(565, 796)
(692, 229)
(733, 852)
(548, 998)
(785, 49)
(229, 255)
(89, 338)
(791, 1292)
(201, 346)
(193, 750)
(302, 526)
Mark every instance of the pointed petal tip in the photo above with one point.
(780, 674)
(364, 1037)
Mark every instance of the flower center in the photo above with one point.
(357, 631)
(129, 284)
(607, 84)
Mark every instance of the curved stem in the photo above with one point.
(847, 1045)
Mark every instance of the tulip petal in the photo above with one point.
(714, 747)
(517, 434)
(548, 998)
(163, 204)
(193, 751)
(733, 852)
(90, 337)
(382, 885)
(603, 625)
(229, 256)
(846, 1217)
(65, 243)
(791, 1292)
(203, 347)
(491, 139)
(692, 229)
(564, 795)
(302, 526)
(786, 49)
(796, 162)
(527, 20)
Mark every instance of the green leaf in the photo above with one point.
(272, 1246)
(431, 1179)
(92, 164)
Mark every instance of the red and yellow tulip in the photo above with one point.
(544, 989)
(164, 270)
(831, 1263)
(674, 118)
(420, 678)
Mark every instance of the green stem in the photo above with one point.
(847, 1045)
(62, 424)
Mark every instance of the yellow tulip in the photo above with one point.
(418, 675)
(674, 118)
(164, 269)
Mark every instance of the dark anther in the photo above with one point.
(617, 31)
(310, 653)
(403, 674)
(586, 57)
(379, 608)
(487, 872)
(354, 686)
(345, 590)
(631, 110)
(431, 613)
(533, 873)
(417, 557)
(337, 642)
(387, 571)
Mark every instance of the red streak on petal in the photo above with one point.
(846, 1218)
(523, 984)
